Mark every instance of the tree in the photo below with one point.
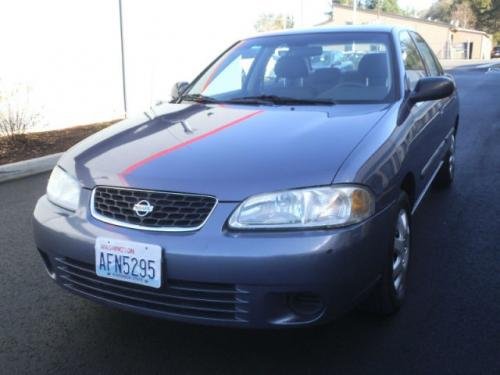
(270, 21)
(389, 6)
(487, 13)
(481, 14)
(459, 13)
(440, 11)
(463, 14)
(16, 114)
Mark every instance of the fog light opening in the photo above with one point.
(48, 264)
(306, 304)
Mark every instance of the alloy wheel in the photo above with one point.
(451, 156)
(401, 253)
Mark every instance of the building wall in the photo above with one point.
(478, 43)
(446, 43)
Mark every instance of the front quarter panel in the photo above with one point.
(378, 159)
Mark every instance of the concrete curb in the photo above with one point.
(469, 64)
(29, 167)
(453, 63)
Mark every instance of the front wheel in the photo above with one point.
(388, 295)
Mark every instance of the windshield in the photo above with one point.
(337, 67)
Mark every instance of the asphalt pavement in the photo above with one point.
(449, 325)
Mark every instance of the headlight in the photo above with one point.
(63, 190)
(330, 206)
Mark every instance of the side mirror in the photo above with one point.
(179, 89)
(432, 88)
(428, 88)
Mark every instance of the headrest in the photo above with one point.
(291, 67)
(373, 65)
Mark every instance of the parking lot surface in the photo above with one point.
(450, 323)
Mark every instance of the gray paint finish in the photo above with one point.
(234, 151)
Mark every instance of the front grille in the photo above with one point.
(170, 211)
(176, 298)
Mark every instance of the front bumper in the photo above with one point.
(217, 277)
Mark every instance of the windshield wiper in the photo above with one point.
(275, 99)
(199, 98)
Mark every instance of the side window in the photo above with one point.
(429, 57)
(230, 79)
(414, 66)
(232, 75)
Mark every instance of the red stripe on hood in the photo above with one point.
(161, 153)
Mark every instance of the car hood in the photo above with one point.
(230, 152)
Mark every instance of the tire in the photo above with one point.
(446, 174)
(389, 293)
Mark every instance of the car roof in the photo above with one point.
(331, 29)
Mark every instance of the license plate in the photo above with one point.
(132, 262)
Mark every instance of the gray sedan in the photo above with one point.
(272, 191)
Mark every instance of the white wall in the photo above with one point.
(68, 51)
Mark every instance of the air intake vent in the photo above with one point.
(176, 298)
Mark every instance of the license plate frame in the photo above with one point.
(129, 261)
